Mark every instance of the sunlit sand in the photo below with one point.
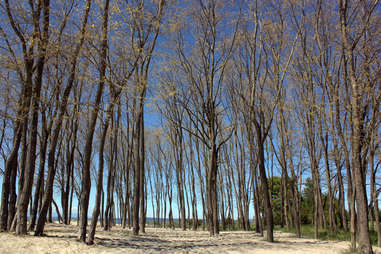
(64, 239)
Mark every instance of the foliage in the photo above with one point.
(324, 234)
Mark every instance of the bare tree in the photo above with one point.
(349, 46)
(48, 195)
(86, 181)
(204, 69)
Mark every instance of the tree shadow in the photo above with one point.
(181, 241)
(161, 245)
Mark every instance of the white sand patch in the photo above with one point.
(63, 239)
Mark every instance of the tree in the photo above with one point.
(204, 70)
(147, 26)
(86, 181)
(357, 110)
(48, 195)
(22, 205)
(21, 123)
(262, 62)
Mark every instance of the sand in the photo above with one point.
(64, 239)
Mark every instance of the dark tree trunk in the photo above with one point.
(178, 148)
(265, 191)
(222, 208)
(48, 195)
(137, 175)
(142, 176)
(102, 208)
(212, 192)
(8, 176)
(12, 199)
(50, 213)
(98, 196)
(41, 173)
(356, 136)
(66, 186)
(7, 194)
(26, 192)
(375, 196)
(111, 178)
(60, 220)
(331, 211)
(86, 179)
(193, 188)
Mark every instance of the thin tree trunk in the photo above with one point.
(86, 179)
(142, 175)
(60, 220)
(41, 172)
(8, 190)
(137, 175)
(98, 196)
(48, 195)
(22, 206)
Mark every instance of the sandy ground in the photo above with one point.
(63, 239)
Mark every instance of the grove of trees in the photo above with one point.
(219, 113)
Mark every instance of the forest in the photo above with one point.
(199, 114)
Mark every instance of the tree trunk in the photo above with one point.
(7, 194)
(99, 182)
(142, 175)
(178, 147)
(9, 172)
(41, 173)
(265, 191)
(375, 197)
(110, 180)
(65, 191)
(356, 137)
(212, 192)
(48, 195)
(137, 175)
(22, 206)
(332, 214)
(60, 220)
(86, 179)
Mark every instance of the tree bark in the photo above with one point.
(86, 179)
(99, 181)
(41, 172)
(356, 137)
(265, 190)
(22, 205)
(48, 195)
